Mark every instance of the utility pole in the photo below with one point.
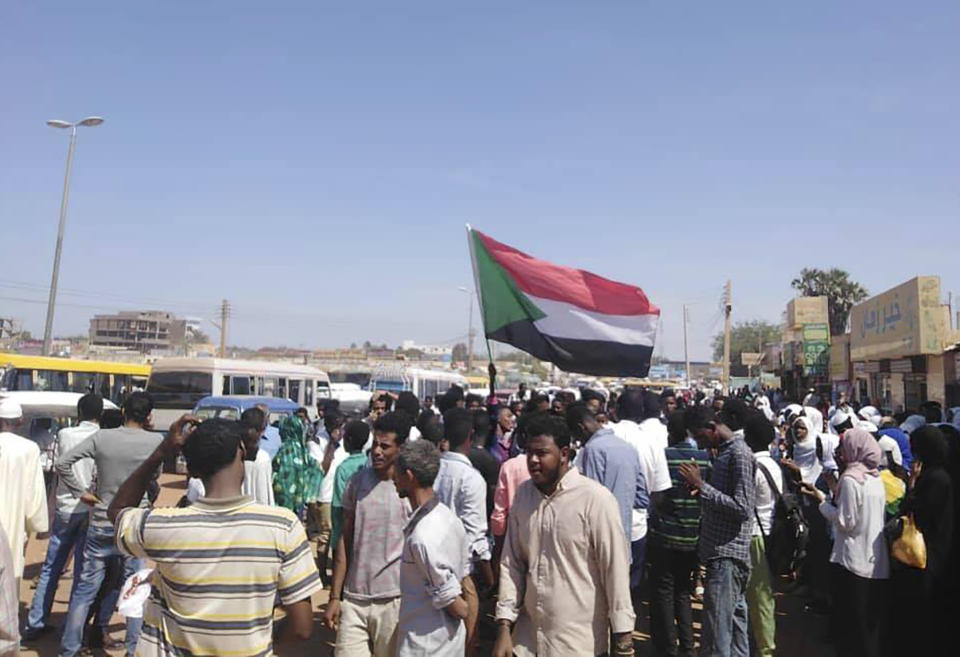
(224, 318)
(727, 307)
(686, 354)
(470, 336)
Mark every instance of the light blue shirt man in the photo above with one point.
(462, 489)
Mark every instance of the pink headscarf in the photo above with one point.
(861, 454)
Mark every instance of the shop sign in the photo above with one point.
(815, 332)
(815, 356)
(904, 321)
(807, 310)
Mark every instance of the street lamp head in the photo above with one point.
(91, 121)
(56, 123)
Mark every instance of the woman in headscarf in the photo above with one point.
(859, 550)
(828, 442)
(762, 404)
(923, 596)
(296, 475)
(805, 462)
(802, 457)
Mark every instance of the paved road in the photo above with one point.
(798, 633)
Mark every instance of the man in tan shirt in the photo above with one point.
(565, 570)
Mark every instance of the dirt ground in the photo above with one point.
(798, 632)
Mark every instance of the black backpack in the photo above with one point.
(786, 545)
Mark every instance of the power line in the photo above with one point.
(143, 301)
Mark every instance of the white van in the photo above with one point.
(177, 384)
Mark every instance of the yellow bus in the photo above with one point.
(112, 380)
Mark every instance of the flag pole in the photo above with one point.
(491, 368)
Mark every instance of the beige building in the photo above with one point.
(143, 331)
(897, 342)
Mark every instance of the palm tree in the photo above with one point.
(841, 291)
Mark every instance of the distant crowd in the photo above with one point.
(553, 517)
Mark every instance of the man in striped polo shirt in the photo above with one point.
(221, 562)
(674, 529)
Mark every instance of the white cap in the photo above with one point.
(10, 410)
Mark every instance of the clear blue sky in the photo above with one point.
(315, 163)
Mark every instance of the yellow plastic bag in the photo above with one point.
(910, 548)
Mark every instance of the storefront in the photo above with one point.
(840, 368)
(896, 346)
(806, 347)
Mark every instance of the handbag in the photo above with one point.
(909, 548)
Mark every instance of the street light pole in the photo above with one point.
(51, 302)
(470, 333)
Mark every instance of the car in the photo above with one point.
(44, 414)
(231, 407)
(354, 401)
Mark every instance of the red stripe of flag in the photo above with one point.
(574, 286)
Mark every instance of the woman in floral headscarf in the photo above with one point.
(296, 475)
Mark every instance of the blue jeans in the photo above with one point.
(68, 533)
(99, 547)
(724, 632)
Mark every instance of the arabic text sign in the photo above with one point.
(816, 353)
(807, 310)
(818, 331)
(903, 321)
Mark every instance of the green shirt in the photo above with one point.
(349, 467)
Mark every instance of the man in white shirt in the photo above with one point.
(640, 426)
(759, 434)
(23, 504)
(333, 454)
(257, 466)
(70, 521)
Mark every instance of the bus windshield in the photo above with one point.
(179, 389)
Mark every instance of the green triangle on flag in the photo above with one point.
(501, 301)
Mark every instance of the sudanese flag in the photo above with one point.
(577, 320)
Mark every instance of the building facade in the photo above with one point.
(143, 331)
(805, 346)
(897, 342)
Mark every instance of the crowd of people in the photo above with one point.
(553, 517)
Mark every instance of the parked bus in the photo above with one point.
(113, 381)
(177, 384)
(421, 382)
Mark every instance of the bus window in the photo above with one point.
(308, 394)
(269, 387)
(429, 387)
(120, 388)
(323, 390)
(225, 386)
(281, 388)
(22, 380)
(179, 389)
(84, 382)
(52, 380)
(102, 384)
(294, 389)
(240, 385)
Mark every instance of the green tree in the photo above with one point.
(841, 291)
(459, 352)
(746, 336)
